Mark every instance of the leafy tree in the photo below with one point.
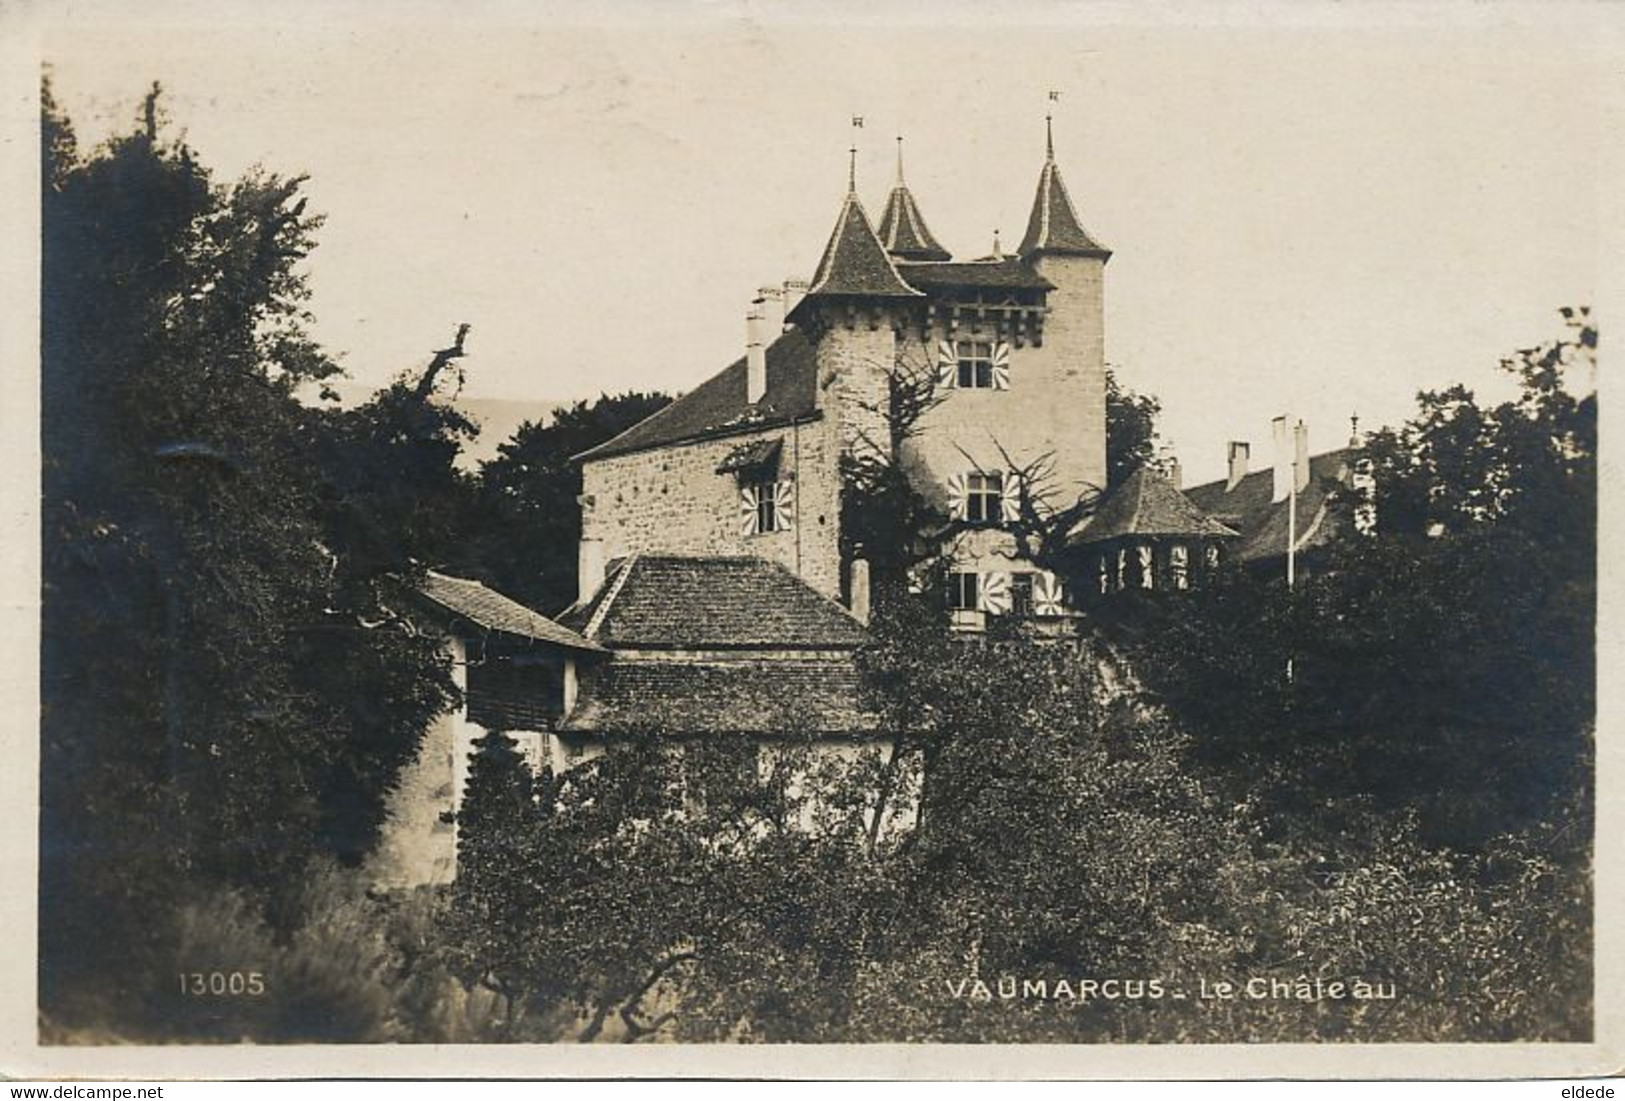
(221, 704)
(529, 525)
(1443, 662)
(1131, 429)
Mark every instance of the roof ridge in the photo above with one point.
(596, 623)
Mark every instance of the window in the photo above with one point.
(1122, 569)
(1212, 558)
(1021, 593)
(975, 359)
(1147, 570)
(963, 591)
(1179, 565)
(984, 498)
(765, 505)
(1105, 576)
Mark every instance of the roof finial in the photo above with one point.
(1049, 128)
(899, 160)
(1354, 430)
(852, 165)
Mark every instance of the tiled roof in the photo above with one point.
(721, 697)
(1146, 503)
(855, 262)
(717, 406)
(675, 602)
(487, 608)
(903, 230)
(1009, 272)
(1053, 225)
(1262, 522)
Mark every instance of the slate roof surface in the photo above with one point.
(1146, 503)
(705, 603)
(717, 406)
(1263, 523)
(903, 230)
(1010, 272)
(1053, 225)
(718, 697)
(855, 262)
(487, 608)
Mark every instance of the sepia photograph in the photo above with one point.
(715, 526)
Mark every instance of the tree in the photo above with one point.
(525, 537)
(1131, 429)
(1444, 661)
(221, 704)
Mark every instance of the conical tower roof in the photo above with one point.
(854, 262)
(1147, 504)
(902, 228)
(1053, 226)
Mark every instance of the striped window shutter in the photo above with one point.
(956, 496)
(1001, 366)
(1105, 577)
(747, 510)
(993, 594)
(1047, 597)
(1179, 564)
(947, 364)
(784, 506)
(1010, 501)
(1147, 572)
(1122, 569)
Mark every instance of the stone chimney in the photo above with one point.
(858, 590)
(1176, 476)
(794, 291)
(756, 352)
(1281, 434)
(589, 569)
(1239, 452)
(775, 309)
(1300, 450)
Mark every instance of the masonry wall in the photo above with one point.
(672, 500)
(1056, 403)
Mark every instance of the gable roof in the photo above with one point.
(722, 697)
(1006, 272)
(654, 601)
(1146, 503)
(903, 230)
(1263, 523)
(1053, 225)
(488, 609)
(718, 407)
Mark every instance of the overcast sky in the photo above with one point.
(1310, 219)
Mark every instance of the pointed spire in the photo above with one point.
(1053, 226)
(902, 228)
(855, 264)
(852, 171)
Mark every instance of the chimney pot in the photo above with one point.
(858, 590)
(756, 352)
(1300, 447)
(1282, 471)
(1239, 452)
(589, 569)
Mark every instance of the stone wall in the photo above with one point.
(672, 500)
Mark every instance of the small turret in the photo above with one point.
(1053, 226)
(855, 265)
(902, 228)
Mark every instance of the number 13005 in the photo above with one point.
(221, 984)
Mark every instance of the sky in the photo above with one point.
(1313, 211)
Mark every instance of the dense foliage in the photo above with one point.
(524, 538)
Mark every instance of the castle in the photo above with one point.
(715, 594)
